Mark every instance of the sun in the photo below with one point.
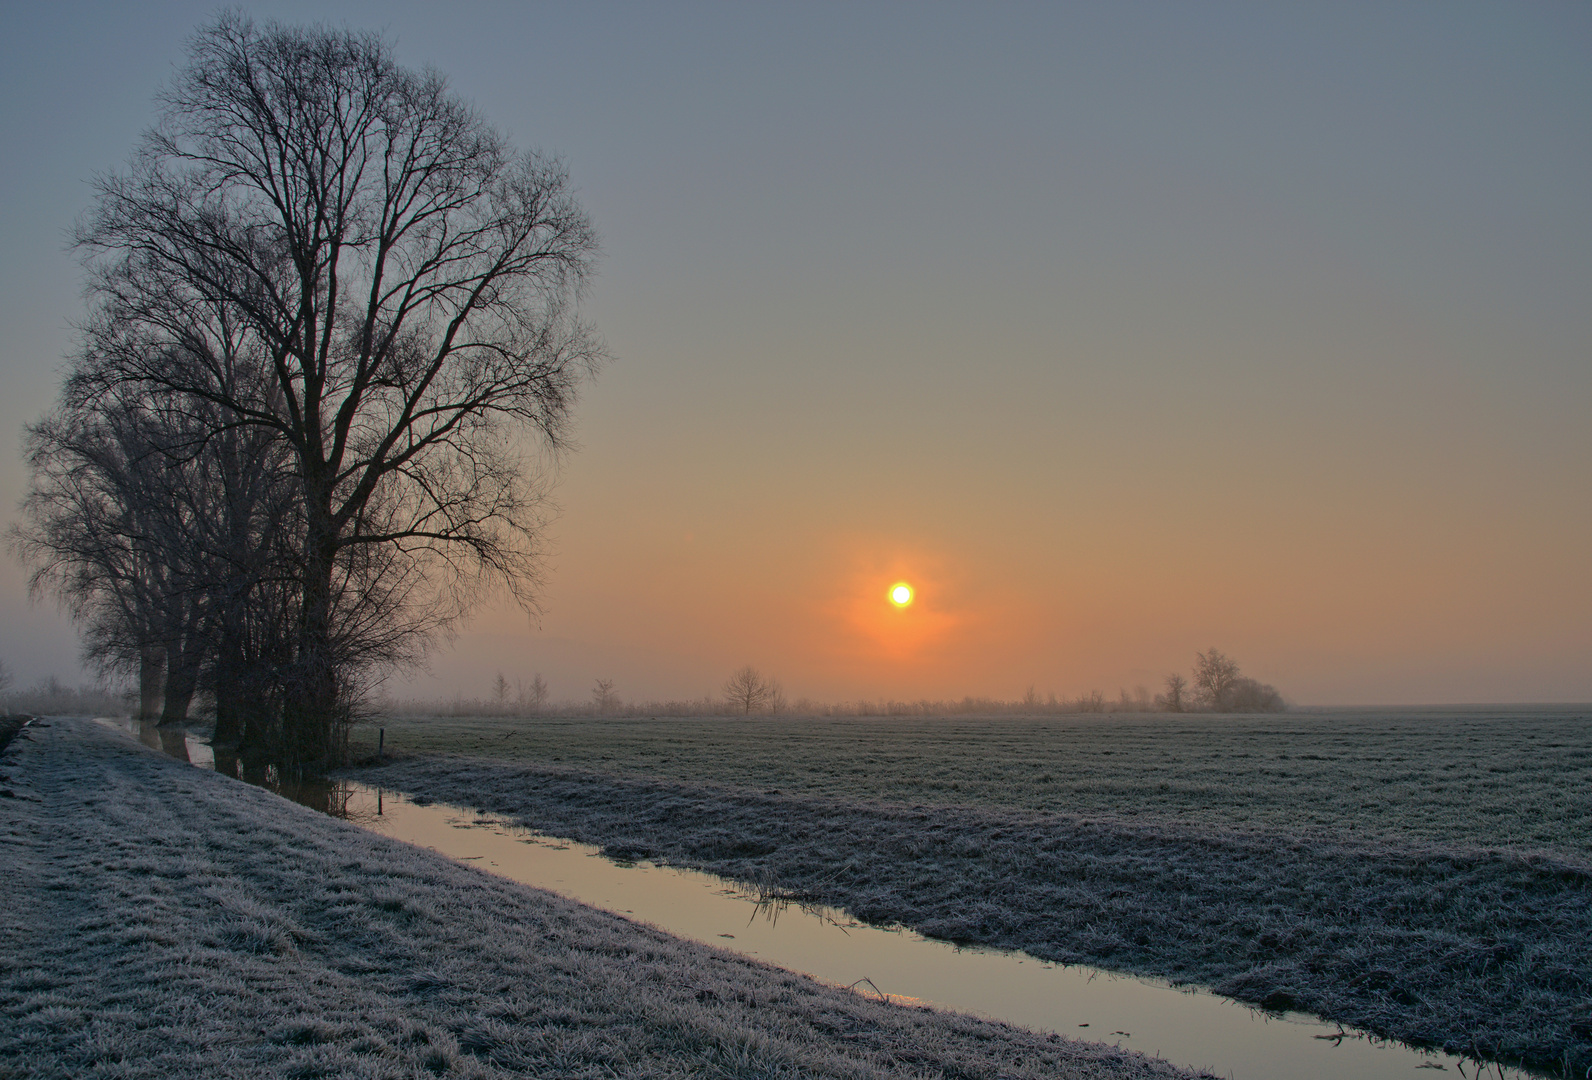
(901, 594)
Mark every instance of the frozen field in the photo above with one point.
(1513, 778)
(1422, 877)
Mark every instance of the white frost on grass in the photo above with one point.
(1518, 778)
(1475, 951)
(162, 921)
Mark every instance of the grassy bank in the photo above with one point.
(158, 920)
(1409, 926)
(9, 726)
(1519, 779)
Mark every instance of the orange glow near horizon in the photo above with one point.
(890, 610)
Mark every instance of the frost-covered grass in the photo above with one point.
(158, 920)
(1423, 932)
(1519, 778)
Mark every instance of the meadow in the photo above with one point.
(1424, 876)
(1497, 778)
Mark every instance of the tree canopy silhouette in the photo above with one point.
(318, 245)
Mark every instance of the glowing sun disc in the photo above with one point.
(901, 594)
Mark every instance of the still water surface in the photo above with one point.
(1188, 1027)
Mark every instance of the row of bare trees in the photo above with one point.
(164, 539)
(331, 353)
(1218, 686)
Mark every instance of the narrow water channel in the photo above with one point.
(1187, 1027)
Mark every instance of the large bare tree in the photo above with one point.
(320, 244)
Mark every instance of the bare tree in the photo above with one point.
(603, 696)
(1214, 676)
(163, 537)
(108, 531)
(1174, 700)
(1221, 686)
(537, 695)
(1092, 702)
(398, 288)
(500, 690)
(747, 690)
(5, 677)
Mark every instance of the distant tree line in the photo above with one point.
(50, 695)
(1217, 686)
(331, 338)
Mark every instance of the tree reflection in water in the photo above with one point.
(324, 794)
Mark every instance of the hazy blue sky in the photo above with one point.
(1120, 330)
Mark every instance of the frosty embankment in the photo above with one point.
(163, 921)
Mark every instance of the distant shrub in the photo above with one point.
(1250, 695)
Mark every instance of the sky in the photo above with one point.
(1119, 331)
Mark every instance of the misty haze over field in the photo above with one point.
(1116, 333)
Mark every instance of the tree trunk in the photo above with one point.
(229, 715)
(310, 708)
(227, 685)
(174, 743)
(151, 681)
(182, 677)
(260, 731)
